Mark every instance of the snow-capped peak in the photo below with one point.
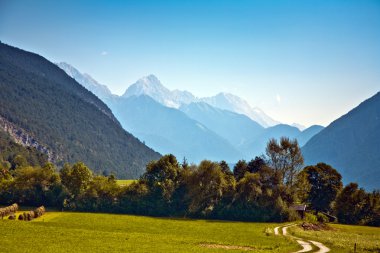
(85, 80)
(150, 80)
(228, 101)
(151, 86)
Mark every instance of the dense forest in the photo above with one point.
(39, 103)
(262, 189)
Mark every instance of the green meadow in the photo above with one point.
(92, 232)
(342, 238)
(89, 232)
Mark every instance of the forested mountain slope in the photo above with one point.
(42, 106)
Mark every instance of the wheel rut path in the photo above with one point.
(307, 246)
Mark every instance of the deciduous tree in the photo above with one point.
(285, 158)
(325, 184)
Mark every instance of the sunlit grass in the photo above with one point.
(343, 237)
(88, 232)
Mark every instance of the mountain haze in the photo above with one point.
(257, 145)
(41, 106)
(169, 130)
(167, 133)
(351, 144)
(152, 87)
(236, 128)
(308, 133)
(236, 104)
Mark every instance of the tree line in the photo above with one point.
(262, 189)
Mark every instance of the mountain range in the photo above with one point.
(236, 104)
(169, 130)
(44, 108)
(350, 144)
(151, 86)
(221, 127)
(47, 114)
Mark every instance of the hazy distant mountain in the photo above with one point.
(236, 128)
(236, 104)
(299, 126)
(147, 110)
(100, 90)
(351, 144)
(183, 97)
(247, 136)
(306, 134)
(257, 145)
(152, 87)
(42, 107)
(169, 130)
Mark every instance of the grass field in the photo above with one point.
(87, 232)
(125, 182)
(342, 238)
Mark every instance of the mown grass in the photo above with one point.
(88, 232)
(125, 182)
(342, 238)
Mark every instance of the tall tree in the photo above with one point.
(285, 158)
(350, 203)
(325, 184)
(76, 178)
(240, 169)
(208, 186)
(37, 186)
(255, 165)
(225, 168)
(162, 176)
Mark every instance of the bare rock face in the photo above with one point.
(23, 138)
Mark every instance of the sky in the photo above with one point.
(304, 61)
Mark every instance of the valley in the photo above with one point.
(189, 126)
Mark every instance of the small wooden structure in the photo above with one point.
(300, 209)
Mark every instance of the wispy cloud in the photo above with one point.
(278, 98)
(104, 53)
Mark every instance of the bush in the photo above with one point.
(322, 218)
(311, 218)
(292, 215)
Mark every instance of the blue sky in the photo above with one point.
(306, 61)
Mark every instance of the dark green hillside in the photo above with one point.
(73, 124)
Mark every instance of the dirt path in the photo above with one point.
(306, 245)
(322, 248)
